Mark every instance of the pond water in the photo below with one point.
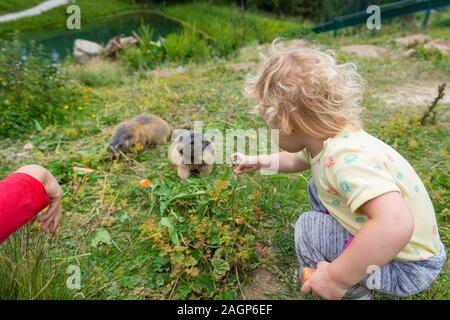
(60, 42)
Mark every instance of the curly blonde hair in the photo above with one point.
(304, 88)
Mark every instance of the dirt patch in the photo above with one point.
(253, 52)
(365, 50)
(412, 94)
(164, 73)
(413, 40)
(264, 282)
(443, 46)
(241, 66)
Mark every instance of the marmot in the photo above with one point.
(145, 129)
(191, 152)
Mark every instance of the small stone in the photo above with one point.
(85, 50)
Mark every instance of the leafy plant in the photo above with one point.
(33, 92)
(147, 53)
(184, 46)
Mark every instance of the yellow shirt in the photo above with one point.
(355, 167)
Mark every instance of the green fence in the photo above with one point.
(388, 11)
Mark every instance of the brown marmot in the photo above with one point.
(145, 129)
(192, 153)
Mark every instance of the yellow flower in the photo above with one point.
(239, 219)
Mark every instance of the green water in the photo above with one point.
(60, 42)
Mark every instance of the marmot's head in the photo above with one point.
(191, 148)
(121, 142)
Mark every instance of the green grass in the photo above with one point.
(9, 6)
(148, 257)
(226, 26)
(27, 269)
(97, 73)
(56, 18)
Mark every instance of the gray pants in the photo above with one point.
(319, 237)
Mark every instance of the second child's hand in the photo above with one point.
(50, 219)
(243, 163)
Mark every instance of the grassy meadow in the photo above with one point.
(207, 238)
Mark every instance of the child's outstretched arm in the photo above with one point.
(24, 194)
(285, 162)
(381, 238)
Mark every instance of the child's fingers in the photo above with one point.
(235, 155)
(45, 225)
(306, 287)
(50, 211)
(56, 220)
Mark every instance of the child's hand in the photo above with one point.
(245, 163)
(50, 220)
(323, 285)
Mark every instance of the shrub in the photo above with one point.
(33, 93)
(184, 46)
(147, 54)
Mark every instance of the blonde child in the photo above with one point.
(371, 214)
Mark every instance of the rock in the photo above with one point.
(85, 50)
(365, 50)
(413, 40)
(164, 73)
(118, 44)
(442, 45)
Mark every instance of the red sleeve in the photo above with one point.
(21, 197)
